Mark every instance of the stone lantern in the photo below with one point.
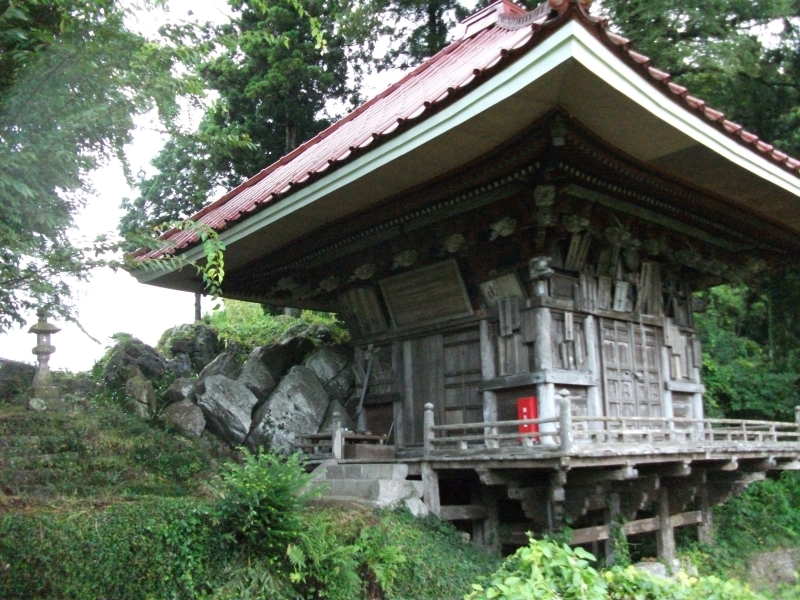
(43, 387)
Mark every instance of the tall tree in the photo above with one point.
(271, 96)
(742, 57)
(73, 78)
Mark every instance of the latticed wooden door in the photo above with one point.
(631, 369)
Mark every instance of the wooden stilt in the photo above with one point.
(430, 489)
(611, 516)
(705, 530)
(665, 535)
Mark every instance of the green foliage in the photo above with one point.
(262, 500)
(743, 376)
(549, 571)
(73, 78)
(160, 548)
(98, 451)
(249, 325)
(271, 96)
(742, 57)
(764, 518)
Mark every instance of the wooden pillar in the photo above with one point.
(665, 534)
(543, 362)
(430, 489)
(594, 397)
(488, 371)
(398, 386)
(705, 530)
(611, 516)
(666, 395)
(486, 532)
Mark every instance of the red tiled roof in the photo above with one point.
(491, 39)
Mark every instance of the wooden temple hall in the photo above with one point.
(513, 233)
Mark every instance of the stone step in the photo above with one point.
(385, 492)
(395, 471)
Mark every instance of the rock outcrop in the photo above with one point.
(227, 406)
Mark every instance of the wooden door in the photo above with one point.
(620, 395)
(462, 375)
(631, 369)
(423, 382)
(647, 371)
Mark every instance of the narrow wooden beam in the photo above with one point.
(462, 512)
(705, 532)
(603, 532)
(580, 477)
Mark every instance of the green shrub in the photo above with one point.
(544, 570)
(156, 549)
(262, 500)
(245, 325)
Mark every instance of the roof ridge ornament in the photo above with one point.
(545, 11)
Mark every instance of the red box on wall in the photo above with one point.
(528, 408)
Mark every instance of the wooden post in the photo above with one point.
(488, 371)
(611, 516)
(427, 429)
(705, 530)
(543, 361)
(594, 399)
(430, 489)
(565, 421)
(797, 417)
(491, 524)
(665, 535)
(337, 441)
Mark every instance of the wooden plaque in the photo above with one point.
(505, 286)
(430, 294)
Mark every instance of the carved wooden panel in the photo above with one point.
(568, 341)
(430, 294)
(462, 375)
(505, 286)
(361, 307)
(512, 354)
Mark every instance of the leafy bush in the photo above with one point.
(263, 498)
(155, 549)
(549, 571)
(245, 325)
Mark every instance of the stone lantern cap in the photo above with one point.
(43, 326)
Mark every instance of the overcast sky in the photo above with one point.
(116, 302)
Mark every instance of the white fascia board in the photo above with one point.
(598, 59)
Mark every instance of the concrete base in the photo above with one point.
(368, 452)
(367, 485)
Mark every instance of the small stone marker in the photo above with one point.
(43, 387)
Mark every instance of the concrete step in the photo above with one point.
(395, 471)
(385, 492)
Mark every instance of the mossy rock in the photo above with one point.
(194, 345)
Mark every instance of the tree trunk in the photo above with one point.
(197, 312)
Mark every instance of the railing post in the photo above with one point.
(337, 441)
(427, 429)
(565, 421)
(797, 419)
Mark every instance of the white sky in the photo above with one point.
(116, 302)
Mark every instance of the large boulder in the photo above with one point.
(180, 390)
(227, 406)
(140, 394)
(185, 417)
(333, 367)
(277, 359)
(297, 406)
(133, 353)
(224, 364)
(257, 377)
(192, 346)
